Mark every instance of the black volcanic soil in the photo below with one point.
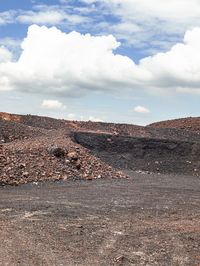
(144, 220)
(145, 154)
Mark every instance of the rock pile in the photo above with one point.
(52, 156)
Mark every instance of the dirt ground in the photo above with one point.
(148, 219)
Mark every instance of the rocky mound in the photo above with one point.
(190, 123)
(31, 153)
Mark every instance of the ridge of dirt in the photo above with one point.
(189, 123)
(12, 130)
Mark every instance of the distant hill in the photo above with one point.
(189, 123)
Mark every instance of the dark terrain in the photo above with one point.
(146, 154)
(144, 220)
(114, 194)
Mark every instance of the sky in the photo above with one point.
(124, 61)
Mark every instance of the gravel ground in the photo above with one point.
(144, 220)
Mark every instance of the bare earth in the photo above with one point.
(148, 219)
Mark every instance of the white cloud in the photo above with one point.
(5, 55)
(52, 104)
(179, 68)
(70, 64)
(71, 116)
(88, 1)
(10, 42)
(74, 64)
(155, 20)
(45, 17)
(189, 90)
(49, 17)
(7, 17)
(126, 31)
(141, 109)
(12, 46)
(174, 10)
(95, 119)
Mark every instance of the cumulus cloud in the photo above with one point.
(52, 104)
(179, 68)
(75, 64)
(70, 64)
(141, 109)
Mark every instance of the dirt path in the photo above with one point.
(144, 220)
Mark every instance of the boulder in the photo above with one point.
(57, 151)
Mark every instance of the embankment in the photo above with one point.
(146, 154)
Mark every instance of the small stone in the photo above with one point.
(73, 156)
(89, 177)
(78, 164)
(25, 174)
(120, 258)
(22, 165)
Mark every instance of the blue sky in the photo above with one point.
(129, 61)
